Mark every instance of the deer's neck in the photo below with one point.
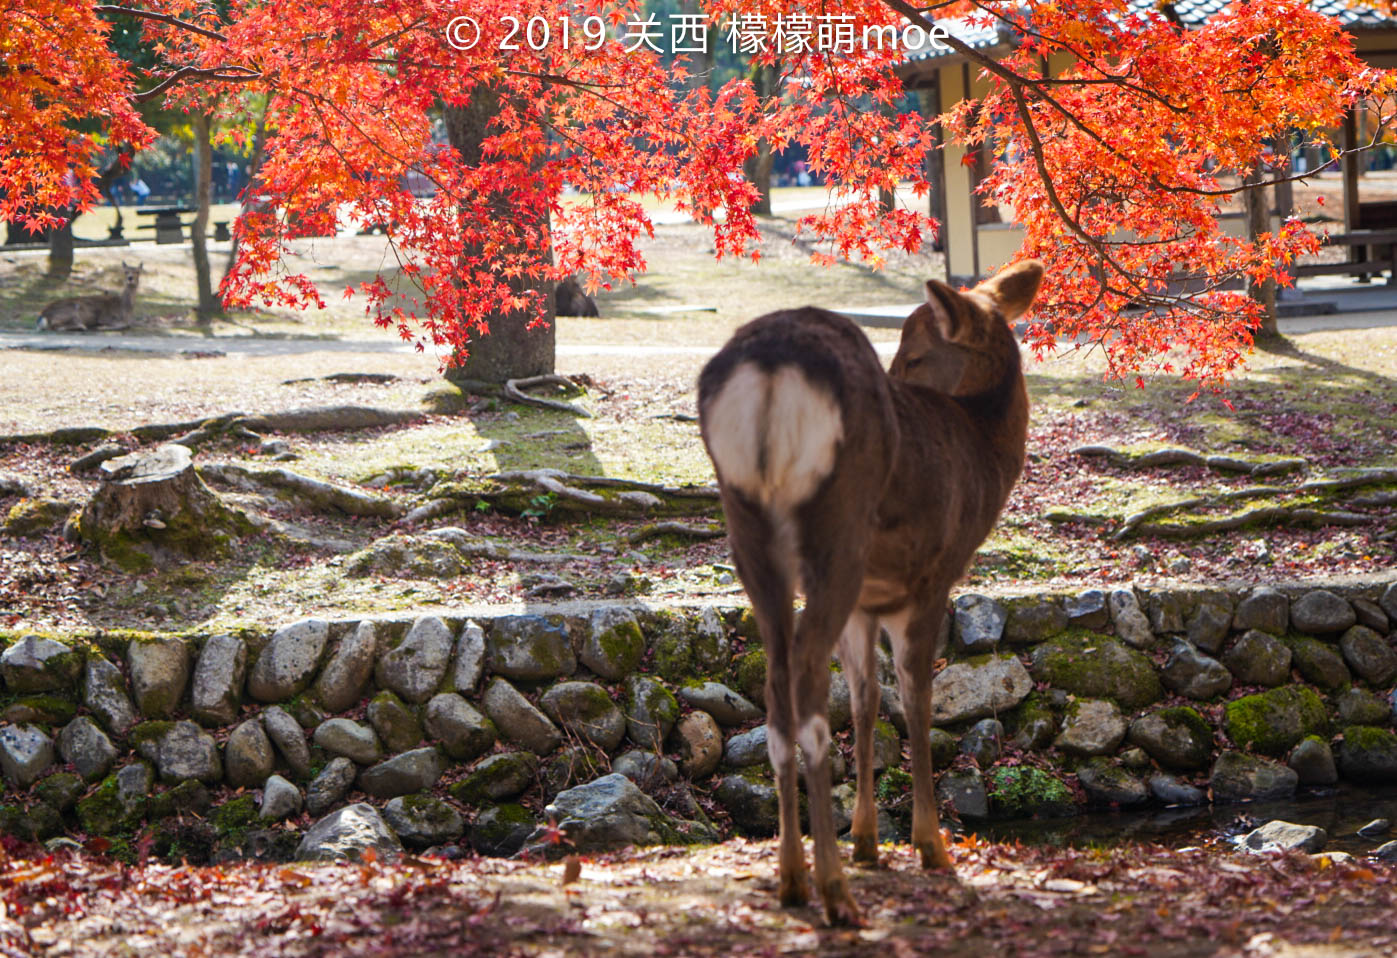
(1001, 409)
(993, 421)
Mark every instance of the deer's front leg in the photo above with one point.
(916, 645)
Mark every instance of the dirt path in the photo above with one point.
(719, 900)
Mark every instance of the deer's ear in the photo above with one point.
(943, 305)
(1014, 287)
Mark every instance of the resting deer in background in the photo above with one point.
(103, 311)
(870, 492)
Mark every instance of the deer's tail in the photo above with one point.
(773, 434)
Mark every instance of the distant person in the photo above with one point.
(234, 176)
(138, 186)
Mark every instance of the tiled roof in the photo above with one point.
(1350, 15)
(1188, 12)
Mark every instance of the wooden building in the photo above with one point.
(978, 237)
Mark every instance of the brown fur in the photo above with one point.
(103, 311)
(570, 299)
(928, 454)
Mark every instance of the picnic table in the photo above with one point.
(168, 227)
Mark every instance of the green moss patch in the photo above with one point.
(1274, 720)
(1097, 666)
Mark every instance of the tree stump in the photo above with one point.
(152, 509)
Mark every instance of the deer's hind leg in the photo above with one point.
(856, 656)
(764, 549)
(832, 591)
(916, 640)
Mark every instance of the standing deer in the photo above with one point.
(870, 492)
(102, 311)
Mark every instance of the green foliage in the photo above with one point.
(894, 787)
(540, 505)
(1024, 790)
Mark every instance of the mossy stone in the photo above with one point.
(944, 748)
(233, 818)
(651, 711)
(1097, 666)
(1361, 707)
(614, 643)
(1175, 737)
(1022, 790)
(396, 724)
(188, 796)
(102, 812)
(1368, 754)
(60, 790)
(750, 672)
(887, 745)
(751, 799)
(1274, 720)
(671, 652)
(586, 710)
(145, 737)
(501, 830)
(1031, 726)
(39, 515)
(32, 824)
(41, 709)
(1320, 663)
(500, 776)
(711, 648)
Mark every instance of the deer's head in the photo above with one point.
(959, 343)
(132, 275)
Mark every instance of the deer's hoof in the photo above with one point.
(934, 856)
(794, 891)
(840, 909)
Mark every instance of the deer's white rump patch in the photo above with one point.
(773, 435)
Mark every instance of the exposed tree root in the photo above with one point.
(514, 389)
(1125, 459)
(1197, 523)
(330, 419)
(548, 491)
(657, 529)
(314, 493)
(1359, 479)
(1134, 521)
(1278, 515)
(238, 424)
(474, 547)
(376, 378)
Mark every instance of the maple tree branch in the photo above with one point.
(162, 18)
(210, 73)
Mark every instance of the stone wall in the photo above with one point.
(633, 725)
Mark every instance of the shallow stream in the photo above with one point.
(1339, 811)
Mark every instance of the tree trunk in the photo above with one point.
(510, 350)
(757, 168)
(209, 306)
(1258, 222)
(153, 509)
(61, 247)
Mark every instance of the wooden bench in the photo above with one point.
(1373, 251)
